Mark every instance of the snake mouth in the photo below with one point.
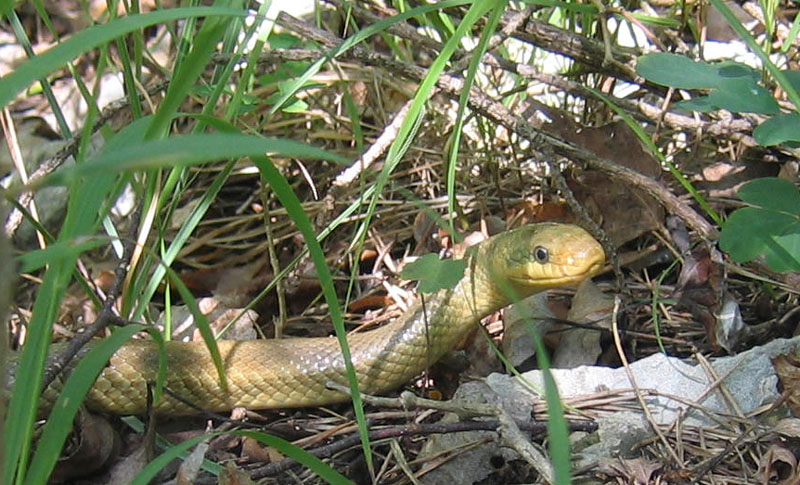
(560, 275)
(595, 268)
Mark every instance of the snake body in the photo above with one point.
(294, 372)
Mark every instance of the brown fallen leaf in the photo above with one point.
(125, 470)
(369, 302)
(258, 453)
(232, 475)
(624, 212)
(701, 290)
(93, 444)
(191, 465)
(529, 211)
(788, 428)
(581, 346)
(638, 470)
(518, 345)
(787, 367)
(778, 465)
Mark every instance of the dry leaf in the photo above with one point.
(517, 342)
(788, 427)
(788, 369)
(192, 464)
(778, 463)
(637, 470)
(258, 453)
(232, 475)
(623, 211)
(581, 346)
(92, 445)
(124, 471)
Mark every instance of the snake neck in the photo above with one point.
(475, 296)
(444, 318)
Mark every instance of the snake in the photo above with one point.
(296, 372)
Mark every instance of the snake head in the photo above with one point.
(537, 257)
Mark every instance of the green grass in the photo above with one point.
(213, 115)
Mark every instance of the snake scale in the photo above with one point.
(294, 372)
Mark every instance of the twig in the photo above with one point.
(50, 165)
(703, 468)
(635, 386)
(590, 224)
(56, 364)
(280, 286)
(414, 429)
(499, 113)
(521, 25)
(582, 49)
(507, 427)
(351, 173)
(737, 129)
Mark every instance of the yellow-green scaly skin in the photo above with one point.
(293, 372)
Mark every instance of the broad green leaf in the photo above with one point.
(701, 104)
(296, 106)
(743, 96)
(772, 193)
(677, 71)
(754, 100)
(779, 129)
(735, 85)
(783, 252)
(770, 229)
(743, 231)
(729, 70)
(434, 274)
(283, 40)
(755, 48)
(793, 77)
(285, 71)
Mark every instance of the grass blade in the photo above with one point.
(59, 423)
(184, 151)
(86, 198)
(88, 39)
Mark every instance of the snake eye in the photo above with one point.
(540, 254)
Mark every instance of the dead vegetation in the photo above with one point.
(538, 144)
